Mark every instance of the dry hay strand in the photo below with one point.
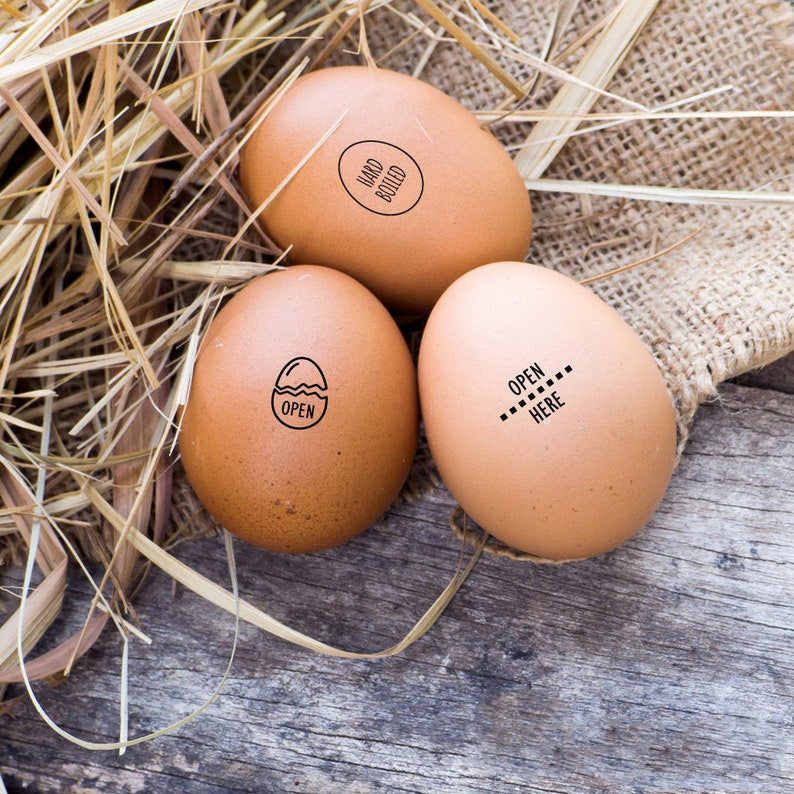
(122, 229)
(99, 301)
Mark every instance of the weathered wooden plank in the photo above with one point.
(663, 666)
(778, 375)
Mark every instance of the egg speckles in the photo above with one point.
(548, 418)
(301, 424)
(405, 195)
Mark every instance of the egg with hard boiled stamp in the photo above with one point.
(386, 178)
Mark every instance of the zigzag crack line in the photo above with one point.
(293, 393)
(318, 386)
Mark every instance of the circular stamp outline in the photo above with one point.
(393, 146)
(273, 395)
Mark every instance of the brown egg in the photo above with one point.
(408, 193)
(302, 419)
(547, 416)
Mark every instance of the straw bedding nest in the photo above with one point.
(119, 213)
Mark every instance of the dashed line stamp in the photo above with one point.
(531, 376)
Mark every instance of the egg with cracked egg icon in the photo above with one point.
(300, 396)
(303, 415)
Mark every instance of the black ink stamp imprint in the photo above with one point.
(381, 177)
(533, 377)
(300, 397)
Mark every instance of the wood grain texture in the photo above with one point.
(778, 375)
(664, 666)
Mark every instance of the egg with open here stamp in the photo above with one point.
(546, 414)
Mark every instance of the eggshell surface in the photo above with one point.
(406, 194)
(548, 418)
(302, 419)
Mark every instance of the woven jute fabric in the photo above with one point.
(723, 303)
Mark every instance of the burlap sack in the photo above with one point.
(723, 303)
